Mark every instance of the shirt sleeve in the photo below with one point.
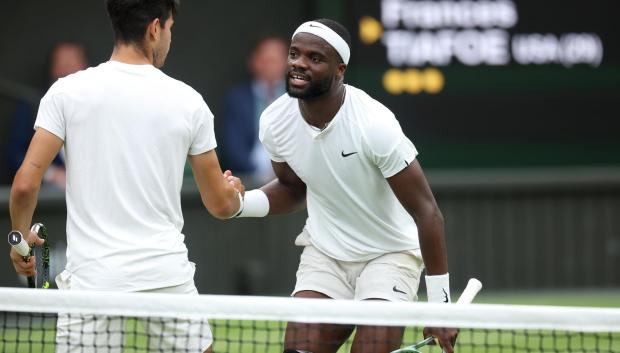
(266, 138)
(51, 115)
(388, 147)
(203, 134)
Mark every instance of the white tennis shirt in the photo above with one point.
(127, 131)
(353, 214)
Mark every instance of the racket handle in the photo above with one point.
(17, 241)
(471, 290)
(473, 287)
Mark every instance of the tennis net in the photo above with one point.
(72, 321)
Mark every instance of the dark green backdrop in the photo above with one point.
(485, 117)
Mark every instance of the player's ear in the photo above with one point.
(342, 68)
(153, 30)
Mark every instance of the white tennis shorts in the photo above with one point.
(88, 333)
(392, 276)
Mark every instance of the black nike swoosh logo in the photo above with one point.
(311, 25)
(445, 299)
(347, 154)
(398, 290)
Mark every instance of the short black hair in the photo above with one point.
(338, 28)
(130, 18)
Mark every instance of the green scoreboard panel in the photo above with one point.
(495, 83)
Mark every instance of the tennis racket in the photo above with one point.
(471, 290)
(17, 241)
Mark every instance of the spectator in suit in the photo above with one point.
(244, 104)
(65, 58)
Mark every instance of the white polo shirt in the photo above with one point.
(353, 214)
(127, 131)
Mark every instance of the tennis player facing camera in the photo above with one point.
(128, 130)
(373, 223)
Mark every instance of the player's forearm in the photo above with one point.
(23, 201)
(284, 198)
(285, 194)
(226, 205)
(432, 243)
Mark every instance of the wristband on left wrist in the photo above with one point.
(438, 288)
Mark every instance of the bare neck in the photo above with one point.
(131, 54)
(319, 111)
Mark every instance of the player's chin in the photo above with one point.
(297, 88)
(297, 92)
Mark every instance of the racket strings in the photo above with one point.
(44, 258)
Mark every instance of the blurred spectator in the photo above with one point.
(243, 152)
(65, 58)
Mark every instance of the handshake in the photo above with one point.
(254, 203)
(235, 182)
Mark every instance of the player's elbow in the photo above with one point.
(23, 190)
(222, 210)
(437, 218)
(431, 218)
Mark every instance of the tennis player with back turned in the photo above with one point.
(127, 129)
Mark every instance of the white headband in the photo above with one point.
(328, 34)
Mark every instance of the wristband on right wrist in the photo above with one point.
(255, 204)
(241, 205)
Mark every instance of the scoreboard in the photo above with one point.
(494, 83)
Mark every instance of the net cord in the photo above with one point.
(489, 316)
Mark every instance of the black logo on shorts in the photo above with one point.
(445, 298)
(347, 154)
(398, 290)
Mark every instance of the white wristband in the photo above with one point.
(256, 204)
(438, 288)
